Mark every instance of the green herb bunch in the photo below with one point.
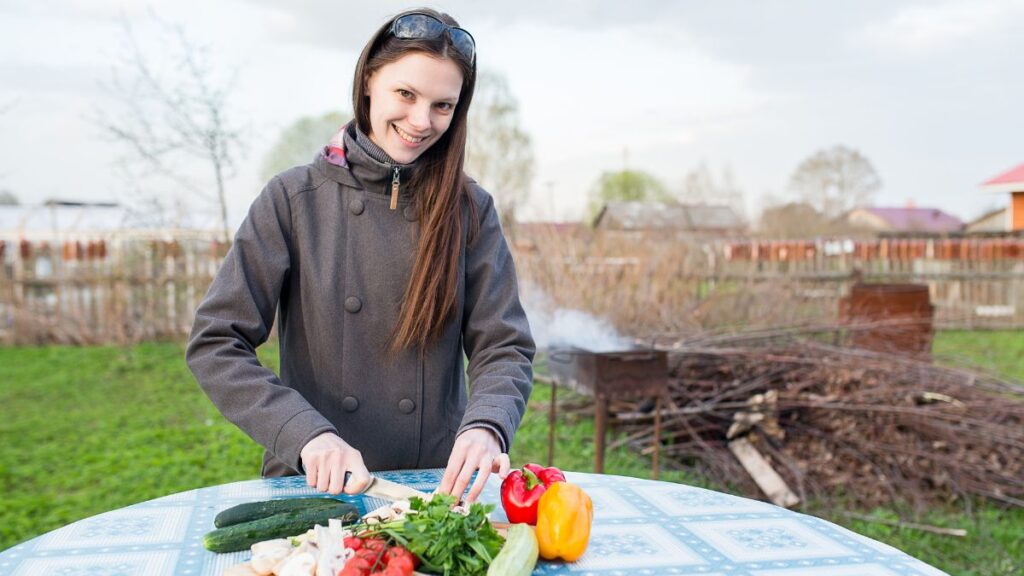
(446, 542)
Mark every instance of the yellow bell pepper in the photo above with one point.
(563, 522)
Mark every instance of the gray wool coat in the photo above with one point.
(321, 248)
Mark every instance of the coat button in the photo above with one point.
(350, 403)
(406, 406)
(353, 304)
(410, 213)
(357, 206)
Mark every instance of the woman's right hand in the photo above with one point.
(327, 458)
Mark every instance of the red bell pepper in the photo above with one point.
(521, 491)
(546, 475)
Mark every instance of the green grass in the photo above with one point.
(1001, 352)
(86, 430)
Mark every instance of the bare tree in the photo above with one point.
(835, 180)
(499, 153)
(700, 186)
(174, 114)
(7, 198)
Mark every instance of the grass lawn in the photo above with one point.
(86, 430)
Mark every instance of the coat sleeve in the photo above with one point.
(235, 317)
(496, 333)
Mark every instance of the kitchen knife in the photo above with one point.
(388, 490)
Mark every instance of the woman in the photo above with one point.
(385, 264)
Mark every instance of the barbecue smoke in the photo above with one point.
(555, 327)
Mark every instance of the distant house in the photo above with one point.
(683, 219)
(903, 220)
(992, 221)
(1011, 181)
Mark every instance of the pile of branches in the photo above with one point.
(837, 424)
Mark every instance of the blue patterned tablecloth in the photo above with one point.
(641, 527)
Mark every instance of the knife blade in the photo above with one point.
(388, 490)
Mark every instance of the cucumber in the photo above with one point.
(256, 510)
(518, 556)
(281, 525)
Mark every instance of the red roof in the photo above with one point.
(1011, 176)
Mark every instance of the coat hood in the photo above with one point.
(345, 161)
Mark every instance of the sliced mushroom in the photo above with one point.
(261, 547)
(301, 564)
(266, 561)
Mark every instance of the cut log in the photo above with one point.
(767, 479)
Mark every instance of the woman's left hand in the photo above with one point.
(475, 450)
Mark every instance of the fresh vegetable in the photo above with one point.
(330, 548)
(402, 556)
(518, 556)
(563, 522)
(445, 541)
(256, 510)
(268, 554)
(521, 491)
(548, 475)
(243, 535)
(375, 557)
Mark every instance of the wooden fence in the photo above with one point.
(119, 288)
(646, 284)
(133, 286)
(973, 282)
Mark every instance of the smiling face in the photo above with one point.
(412, 101)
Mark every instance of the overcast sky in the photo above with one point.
(930, 92)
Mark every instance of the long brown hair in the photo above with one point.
(442, 192)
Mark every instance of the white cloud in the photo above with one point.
(925, 29)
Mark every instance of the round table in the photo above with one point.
(641, 527)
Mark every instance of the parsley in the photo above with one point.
(447, 542)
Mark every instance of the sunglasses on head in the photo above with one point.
(424, 26)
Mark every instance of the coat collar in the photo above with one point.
(346, 162)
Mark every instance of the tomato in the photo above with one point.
(370, 556)
(375, 544)
(358, 562)
(401, 563)
(356, 566)
(398, 551)
(353, 543)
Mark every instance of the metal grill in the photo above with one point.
(611, 374)
(606, 375)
